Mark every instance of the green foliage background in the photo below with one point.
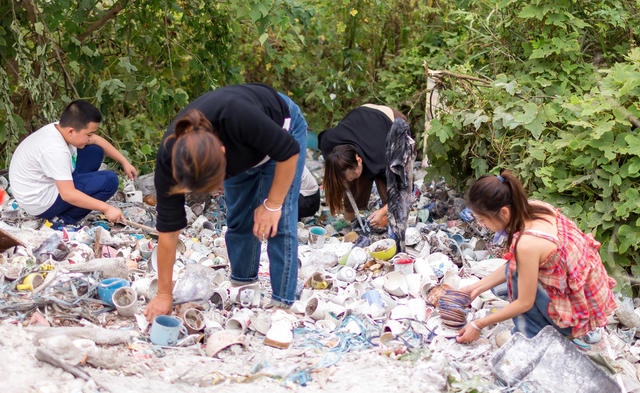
(552, 84)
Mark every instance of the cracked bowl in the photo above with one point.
(383, 249)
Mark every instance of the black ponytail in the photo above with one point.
(489, 194)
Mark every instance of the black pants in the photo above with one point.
(308, 205)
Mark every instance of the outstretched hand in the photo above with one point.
(114, 214)
(130, 171)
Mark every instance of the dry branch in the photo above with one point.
(438, 73)
(113, 11)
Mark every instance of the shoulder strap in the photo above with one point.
(542, 235)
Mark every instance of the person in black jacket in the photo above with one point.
(248, 139)
(354, 154)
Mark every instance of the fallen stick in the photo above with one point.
(140, 226)
(97, 247)
(47, 357)
(20, 307)
(437, 73)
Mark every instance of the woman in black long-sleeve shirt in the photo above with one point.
(354, 153)
(251, 137)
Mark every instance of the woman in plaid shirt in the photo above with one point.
(553, 271)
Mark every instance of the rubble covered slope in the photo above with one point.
(367, 319)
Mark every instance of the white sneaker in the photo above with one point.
(280, 334)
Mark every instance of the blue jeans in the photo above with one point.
(532, 321)
(86, 178)
(243, 194)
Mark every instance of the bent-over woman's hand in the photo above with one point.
(378, 219)
(265, 222)
(159, 305)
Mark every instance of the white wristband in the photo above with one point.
(473, 324)
(264, 203)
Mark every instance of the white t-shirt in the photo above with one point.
(308, 183)
(41, 159)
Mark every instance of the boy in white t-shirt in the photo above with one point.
(54, 171)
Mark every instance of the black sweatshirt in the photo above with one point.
(248, 119)
(366, 130)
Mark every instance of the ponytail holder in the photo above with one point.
(500, 179)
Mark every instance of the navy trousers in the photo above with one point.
(88, 179)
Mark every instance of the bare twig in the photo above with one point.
(166, 37)
(13, 10)
(96, 244)
(55, 47)
(48, 357)
(140, 226)
(10, 65)
(437, 73)
(471, 81)
(113, 11)
(427, 112)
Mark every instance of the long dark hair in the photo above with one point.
(341, 158)
(198, 163)
(489, 194)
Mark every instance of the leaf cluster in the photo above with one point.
(561, 87)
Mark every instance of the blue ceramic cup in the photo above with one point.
(107, 287)
(166, 330)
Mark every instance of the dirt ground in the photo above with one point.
(187, 370)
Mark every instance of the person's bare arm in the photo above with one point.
(70, 194)
(163, 302)
(529, 255)
(113, 153)
(265, 222)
